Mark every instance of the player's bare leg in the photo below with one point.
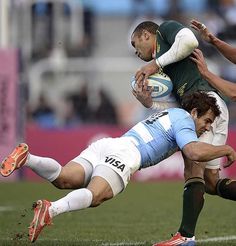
(71, 176)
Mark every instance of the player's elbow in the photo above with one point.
(195, 42)
(189, 40)
(192, 45)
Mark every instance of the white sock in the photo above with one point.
(75, 200)
(46, 168)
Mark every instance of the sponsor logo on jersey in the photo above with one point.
(115, 163)
(158, 48)
(181, 90)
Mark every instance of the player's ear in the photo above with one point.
(146, 34)
(194, 113)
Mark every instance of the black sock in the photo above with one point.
(193, 200)
(226, 188)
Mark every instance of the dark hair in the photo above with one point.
(201, 101)
(146, 25)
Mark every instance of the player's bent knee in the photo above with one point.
(193, 169)
(99, 197)
(62, 183)
(211, 178)
(98, 200)
(69, 179)
(194, 180)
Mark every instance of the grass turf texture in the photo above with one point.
(145, 213)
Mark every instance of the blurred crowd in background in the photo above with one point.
(50, 34)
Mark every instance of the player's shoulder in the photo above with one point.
(169, 29)
(179, 114)
(171, 23)
(177, 111)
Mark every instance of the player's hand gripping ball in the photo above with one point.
(161, 83)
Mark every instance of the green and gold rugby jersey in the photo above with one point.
(184, 74)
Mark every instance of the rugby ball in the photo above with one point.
(161, 83)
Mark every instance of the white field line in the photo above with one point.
(123, 244)
(217, 239)
(207, 240)
(6, 208)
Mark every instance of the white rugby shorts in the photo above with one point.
(119, 154)
(219, 130)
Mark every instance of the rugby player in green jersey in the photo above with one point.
(168, 48)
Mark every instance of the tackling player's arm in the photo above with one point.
(187, 131)
(225, 49)
(202, 152)
(225, 87)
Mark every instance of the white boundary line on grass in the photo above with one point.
(207, 240)
(6, 208)
(217, 239)
(123, 244)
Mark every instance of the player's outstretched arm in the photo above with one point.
(225, 49)
(225, 87)
(205, 34)
(203, 152)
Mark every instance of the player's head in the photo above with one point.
(143, 39)
(203, 109)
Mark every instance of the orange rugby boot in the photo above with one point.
(177, 240)
(40, 220)
(15, 160)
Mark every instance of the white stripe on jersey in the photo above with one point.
(165, 122)
(143, 132)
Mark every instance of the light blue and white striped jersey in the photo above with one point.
(161, 134)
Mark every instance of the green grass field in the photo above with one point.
(145, 213)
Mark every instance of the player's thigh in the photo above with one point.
(219, 130)
(72, 176)
(211, 137)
